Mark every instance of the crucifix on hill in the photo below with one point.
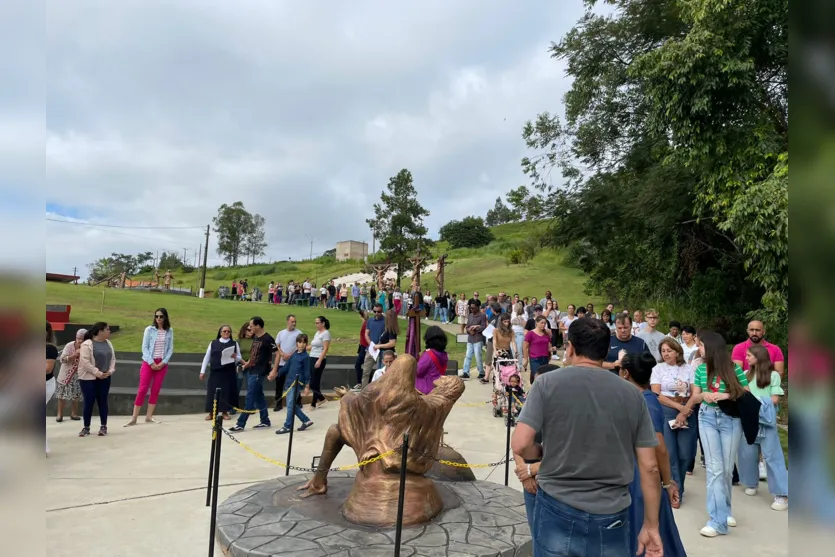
(439, 273)
(417, 262)
(380, 270)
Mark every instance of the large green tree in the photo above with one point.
(470, 232)
(239, 233)
(398, 222)
(673, 153)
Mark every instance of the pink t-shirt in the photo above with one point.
(738, 354)
(540, 345)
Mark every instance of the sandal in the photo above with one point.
(226, 416)
(208, 418)
(75, 418)
(59, 419)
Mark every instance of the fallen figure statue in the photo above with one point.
(373, 422)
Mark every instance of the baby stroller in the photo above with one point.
(505, 368)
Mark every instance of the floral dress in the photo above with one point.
(67, 386)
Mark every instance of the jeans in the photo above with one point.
(311, 301)
(364, 305)
(436, 312)
(95, 391)
(535, 364)
(775, 462)
(361, 352)
(681, 444)
(444, 315)
(474, 348)
(331, 301)
(520, 341)
(721, 436)
(561, 530)
(530, 507)
(255, 399)
(293, 408)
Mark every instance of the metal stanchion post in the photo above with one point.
(402, 496)
(509, 425)
(216, 486)
(212, 454)
(294, 392)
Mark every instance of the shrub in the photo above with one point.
(467, 233)
(220, 275)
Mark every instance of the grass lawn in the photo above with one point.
(196, 321)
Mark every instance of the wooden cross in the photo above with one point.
(417, 262)
(439, 273)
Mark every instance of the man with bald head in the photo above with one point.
(756, 336)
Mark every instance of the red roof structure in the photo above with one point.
(56, 277)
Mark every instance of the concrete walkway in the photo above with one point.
(140, 491)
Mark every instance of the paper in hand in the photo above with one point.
(488, 332)
(227, 356)
(373, 351)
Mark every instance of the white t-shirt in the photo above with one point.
(674, 380)
(323, 291)
(306, 287)
(690, 351)
(567, 321)
(286, 340)
(397, 295)
(317, 345)
(427, 300)
(379, 373)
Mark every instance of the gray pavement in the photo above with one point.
(140, 491)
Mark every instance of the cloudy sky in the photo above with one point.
(159, 111)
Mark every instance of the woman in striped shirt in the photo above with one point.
(157, 349)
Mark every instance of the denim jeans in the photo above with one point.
(535, 363)
(293, 408)
(520, 342)
(474, 348)
(436, 312)
(559, 529)
(530, 507)
(444, 315)
(721, 436)
(775, 462)
(681, 444)
(364, 303)
(255, 399)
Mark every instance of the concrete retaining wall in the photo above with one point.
(184, 393)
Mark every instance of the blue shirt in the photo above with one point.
(634, 345)
(298, 369)
(375, 328)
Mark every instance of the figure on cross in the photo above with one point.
(380, 270)
(417, 261)
(439, 273)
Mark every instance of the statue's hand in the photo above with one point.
(314, 487)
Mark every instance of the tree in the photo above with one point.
(675, 134)
(499, 214)
(118, 263)
(471, 232)
(170, 260)
(254, 241)
(526, 205)
(398, 222)
(234, 225)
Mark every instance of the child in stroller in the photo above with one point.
(507, 386)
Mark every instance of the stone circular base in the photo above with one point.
(270, 520)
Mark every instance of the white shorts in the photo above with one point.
(462, 320)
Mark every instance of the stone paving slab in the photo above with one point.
(269, 520)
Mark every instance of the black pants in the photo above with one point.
(95, 391)
(316, 380)
(358, 364)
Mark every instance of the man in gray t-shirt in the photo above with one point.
(651, 336)
(593, 425)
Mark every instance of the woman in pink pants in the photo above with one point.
(157, 349)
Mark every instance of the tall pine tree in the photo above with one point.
(398, 221)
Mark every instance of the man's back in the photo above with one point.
(591, 422)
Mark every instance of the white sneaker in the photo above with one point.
(751, 491)
(731, 522)
(780, 504)
(708, 532)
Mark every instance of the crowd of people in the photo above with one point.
(633, 400)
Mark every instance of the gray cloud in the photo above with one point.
(159, 111)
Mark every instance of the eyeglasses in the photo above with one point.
(226, 331)
(652, 317)
(158, 316)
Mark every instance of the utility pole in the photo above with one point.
(75, 273)
(185, 250)
(197, 256)
(205, 258)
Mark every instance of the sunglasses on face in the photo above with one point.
(159, 316)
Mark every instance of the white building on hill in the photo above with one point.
(350, 249)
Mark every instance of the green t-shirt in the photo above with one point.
(770, 390)
(700, 380)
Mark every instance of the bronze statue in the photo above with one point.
(122, 278)
(439, 273)
(380, 270)
(168, 276)
(417, 263)
(372, 422)
(156, 277)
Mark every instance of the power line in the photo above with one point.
(123, 226)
